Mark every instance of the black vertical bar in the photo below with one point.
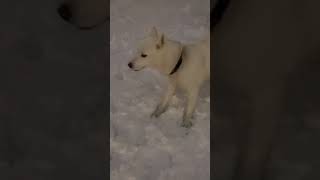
(54, 94)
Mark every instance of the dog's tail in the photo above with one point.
(217, 12)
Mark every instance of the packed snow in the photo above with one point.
(144, 148)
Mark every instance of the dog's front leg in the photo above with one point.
(192, 97)
(163, 105)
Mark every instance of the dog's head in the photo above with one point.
(150, 52)
(84, 13)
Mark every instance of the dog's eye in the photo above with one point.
(143, 55)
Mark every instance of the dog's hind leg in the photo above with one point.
(192, 97)
(163, 105)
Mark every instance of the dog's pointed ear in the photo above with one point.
(154, 32)
(161, 41)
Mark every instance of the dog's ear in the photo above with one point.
(161, 41)
(154, 32)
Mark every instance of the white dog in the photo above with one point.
(186, 66)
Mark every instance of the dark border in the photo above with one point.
(54, 114)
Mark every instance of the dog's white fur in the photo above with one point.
(162, 54)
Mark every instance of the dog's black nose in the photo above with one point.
(65, 12)
(130, 65)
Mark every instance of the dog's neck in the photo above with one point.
(171, 56)
(178, 64)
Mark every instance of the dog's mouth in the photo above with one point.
(133, 67)
(139, 69)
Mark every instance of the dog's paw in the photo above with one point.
(155, 114)
(186, 124)
(158, 111)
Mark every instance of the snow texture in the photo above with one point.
(143, 148)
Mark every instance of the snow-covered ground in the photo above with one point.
(155, 149)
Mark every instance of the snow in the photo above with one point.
(144, 148)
